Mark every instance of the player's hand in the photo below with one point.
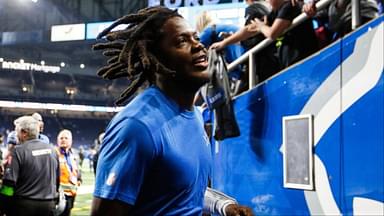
(238, 210)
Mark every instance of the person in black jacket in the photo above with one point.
(31, 177)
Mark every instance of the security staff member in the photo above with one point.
(30, 181)
(70, 177)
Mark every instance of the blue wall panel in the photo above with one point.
(250, 167)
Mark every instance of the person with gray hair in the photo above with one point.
(27, 128)
(31, 177)
(12, 139)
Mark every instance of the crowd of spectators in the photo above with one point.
(272, 18)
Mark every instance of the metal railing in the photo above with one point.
(250, 53)
(356, 20)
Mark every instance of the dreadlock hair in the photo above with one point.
(132, 50)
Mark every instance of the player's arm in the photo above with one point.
(216, 202)
(130, 156)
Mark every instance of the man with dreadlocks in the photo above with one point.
(155, 158)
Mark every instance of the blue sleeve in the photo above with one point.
(44, 138)
(125, 157)
(205, 37)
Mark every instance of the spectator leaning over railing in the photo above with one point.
(265, 62)
(292, 46)
(211, 31)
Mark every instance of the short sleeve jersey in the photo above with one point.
(155, 157)
(33, 170)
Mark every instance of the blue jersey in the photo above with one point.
(156, 157)
(232, 51)
(43, 138)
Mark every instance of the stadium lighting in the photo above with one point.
(42, 62)
(82, 66)
(62, 64)
(21, 60)
(25, 88)
(1, 59)
(70, 90)
(53, 106)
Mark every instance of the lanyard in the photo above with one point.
(67, 156)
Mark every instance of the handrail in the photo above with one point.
(356, 19)
(249, 54)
